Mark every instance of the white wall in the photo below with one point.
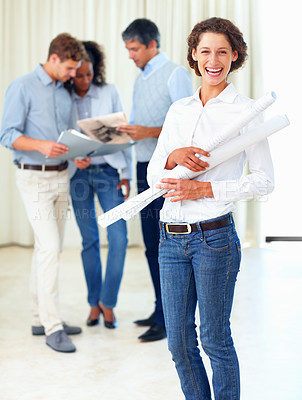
(282, 59)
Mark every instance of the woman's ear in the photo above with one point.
(235, 55)
(194, 55)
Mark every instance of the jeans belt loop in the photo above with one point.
(162, 228)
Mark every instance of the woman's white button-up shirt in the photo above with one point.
(189, 123)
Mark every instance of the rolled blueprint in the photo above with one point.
(247, 116)
(232, 147)
(228, 150)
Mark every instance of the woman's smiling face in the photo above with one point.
(214, 56)
(83, 78)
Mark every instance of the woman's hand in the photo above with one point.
(185, 189)
(82, 163)
(186, 157)
(126, 184)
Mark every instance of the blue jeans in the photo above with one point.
(201, 267)
(102, 181)
(150, 229)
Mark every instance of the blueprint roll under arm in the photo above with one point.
(218, 154)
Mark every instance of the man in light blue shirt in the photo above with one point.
(160, 83)
(36, 109)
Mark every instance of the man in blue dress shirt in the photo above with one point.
(160, 83)
(36, 109)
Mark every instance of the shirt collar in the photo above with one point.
(154, 63)
(92, 92)
(44, 77)
(226, 96)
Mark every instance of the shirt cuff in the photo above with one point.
(10, 139)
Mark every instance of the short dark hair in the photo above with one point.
(225, 27)
(143, 30)
(66, 47)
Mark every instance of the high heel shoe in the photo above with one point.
(108, 324)
(93, 321)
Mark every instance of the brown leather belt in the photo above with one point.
(60, 167)
(184, 229)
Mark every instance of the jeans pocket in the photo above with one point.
(217, 240)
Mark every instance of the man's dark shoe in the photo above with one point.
(146, 322)
(59, 341)
(69, 330)
(156, 332)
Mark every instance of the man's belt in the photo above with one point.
(43, 167)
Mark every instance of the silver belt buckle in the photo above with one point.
(189, 229)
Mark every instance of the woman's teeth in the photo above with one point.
(213, 71)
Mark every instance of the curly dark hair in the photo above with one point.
(225, 27)
(96, 55)
(93, 53)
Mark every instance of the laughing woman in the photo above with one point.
(199, 251)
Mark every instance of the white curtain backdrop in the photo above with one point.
(28, 26)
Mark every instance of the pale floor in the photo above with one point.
(114, 365)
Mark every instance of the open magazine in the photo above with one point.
(101, 139)
(103, 128)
